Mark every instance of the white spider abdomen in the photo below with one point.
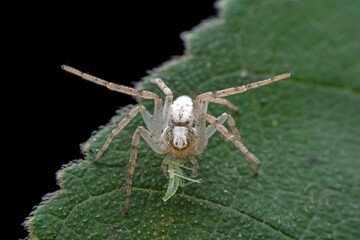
(181, 111)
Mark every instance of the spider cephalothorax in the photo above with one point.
(169, 130)
(180, 139)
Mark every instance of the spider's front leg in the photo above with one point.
(152, 122)
(211, 96)
(168, 100)
(200, 116)
(234, 136)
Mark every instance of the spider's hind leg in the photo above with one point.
(125, 121)
(234, 135)
(156, 145)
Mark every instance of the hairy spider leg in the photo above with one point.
(211, 129)
(200, 105)
(146, 117)
(164, 165)
(112, 86)
(225, 102)
(221, 101)
(240, 89)
(200, 108)
(157, 146)
(152, 122)
(235, 139)
(195, 164)
(168, 100)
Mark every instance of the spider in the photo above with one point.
(169, 130)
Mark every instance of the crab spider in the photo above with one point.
(169, 130)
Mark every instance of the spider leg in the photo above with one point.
(164, 165)
(222, 101)
(134, 149)
(200, 107)
(195, 164)
(158, 108)
(156, 145)
(235, 90)
(211, 129)
(234, 137)
(225, 102)
(147, 119)
(112, 86)
(168, 100)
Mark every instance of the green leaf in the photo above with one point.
(304, 130)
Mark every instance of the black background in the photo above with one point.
(51, 112)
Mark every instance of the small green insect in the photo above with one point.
(176, 178)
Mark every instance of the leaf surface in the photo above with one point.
(304, 130)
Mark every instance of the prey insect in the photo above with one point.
(177, 128)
